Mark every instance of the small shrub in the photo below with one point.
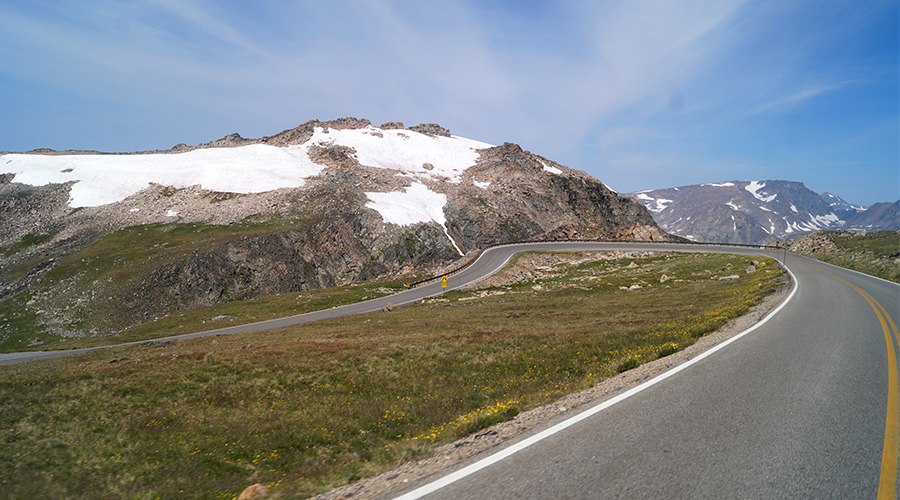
(628, 364)
(485, 421)
(667, 350)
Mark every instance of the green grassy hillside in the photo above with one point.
(310, 407)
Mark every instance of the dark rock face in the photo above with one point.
(266, 265)
(525, 200)
(30, 209)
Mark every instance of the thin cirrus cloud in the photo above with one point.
(795, 99)
(573, 81)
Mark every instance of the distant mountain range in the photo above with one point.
(758, 212)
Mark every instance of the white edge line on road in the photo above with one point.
(851, 270)
(488, 461)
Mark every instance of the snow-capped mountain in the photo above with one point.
(878, 217)
(99, 180)
(838, 203)
(322, 204)
(756, 212)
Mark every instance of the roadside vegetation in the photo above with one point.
(84, 290)
(101, 268)
(873, 252)
(311, 407)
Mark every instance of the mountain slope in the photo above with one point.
(92, 243)
(755, 212)
(878, 217)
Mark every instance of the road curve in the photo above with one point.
(489, 262)
(804, 406)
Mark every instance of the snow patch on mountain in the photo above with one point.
(416, 204)
(658, 205)
(101, 179)
(839, 203)
(406, 151)
(108, 178)
(720, 184)
(552, 170)
(825, 221)
(661, 204)
(754, 186)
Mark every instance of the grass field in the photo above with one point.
(307, 408)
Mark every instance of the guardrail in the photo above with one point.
(495, 245)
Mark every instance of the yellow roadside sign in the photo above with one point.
(443, 282)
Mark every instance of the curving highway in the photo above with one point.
(803, 406)
(489, 262)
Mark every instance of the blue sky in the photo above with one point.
(640, 94)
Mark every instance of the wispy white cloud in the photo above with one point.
(585, 83)
(795, 99)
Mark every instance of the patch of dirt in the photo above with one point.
(488, 441)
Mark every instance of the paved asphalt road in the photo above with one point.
(797, 408)
(804, 406)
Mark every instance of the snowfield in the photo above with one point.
(416, 204)
(406, 151)
(107, 178)
(754, 187)
(101, 179)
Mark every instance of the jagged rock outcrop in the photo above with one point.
(523, 199)
(432, 129)
(28, 209)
